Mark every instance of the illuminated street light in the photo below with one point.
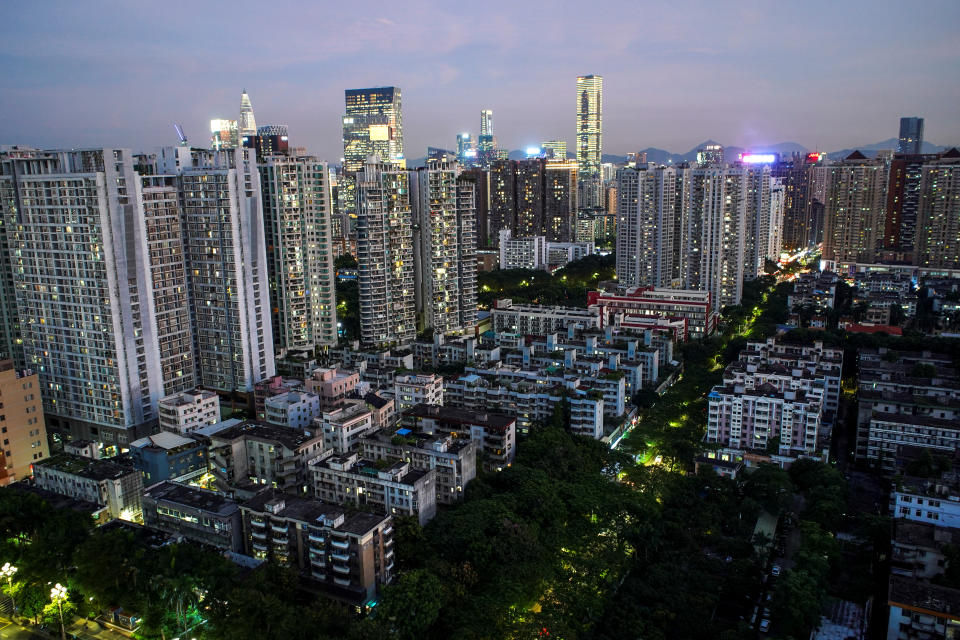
(7, 571)
(58, 594)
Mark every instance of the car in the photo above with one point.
(769, 596)
(775, 572)
(764, 625)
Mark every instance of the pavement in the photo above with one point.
(78, 630)
(11, 631)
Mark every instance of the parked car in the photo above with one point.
(764, 625)
(775, 572)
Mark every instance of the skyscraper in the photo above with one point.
(372, 124)
(466, 150)
(855, 209)
(385, 255)
(938, 219)
(444, 216)
(560, 201)
(555, 150)
(224, 134)
(296, 211)
(486, 122)
(481, 191)
(531, 186)
(486, 143)
(247, 124)
(589, 125)
(503, 199)
(77, 230)
(911, 136)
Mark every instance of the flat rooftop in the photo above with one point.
(191, 497)
(461, 416)
(311, 511)
(86, 467)
(924, 596)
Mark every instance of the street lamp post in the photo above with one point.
(58, 594)
(7, 571)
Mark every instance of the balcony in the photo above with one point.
(340, 557)
(277, 529)
(318, 575)
(258, 535)
(341, 568)
(257, 523)
(341, 582)
(316, 538)
(281, 540)
(340, 544)
(318, 562)
(259, 547)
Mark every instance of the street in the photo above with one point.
(16, 632)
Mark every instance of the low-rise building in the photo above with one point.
(24, 433)
(494, 433)
(522, 253)
(343, 428)
(816, 290)
(196, 514)
(333, 385)
(168, 456)
(272, 386)
(535, 319)
(246, 458)
(115, 487)
(444, 351)
(350, 553)
(383, 411)
(560, 254)
(934, 501)
(293, 409)
(920, 609)
(389, 488)
(414, 389)
(188, 410)
(919, 549)
(692, 305)
(454, 459)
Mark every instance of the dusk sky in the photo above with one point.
(827, 75)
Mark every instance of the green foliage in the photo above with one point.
(348, 307)
(411, 606)
(345, 261)
(567, 286)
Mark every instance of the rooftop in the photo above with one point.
(191, 497)
(310, 511)
(923, 596)
(289, 438)
(162, 440)
(185, 398)
(462, 416)
(86, 467)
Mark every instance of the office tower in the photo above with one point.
(486, 122)
(649, 227)
(372, 124)
(247, 124)
(531, 187)
(555, 150)
(385, 255)
(466, 150)
(444, 219)
(710, 154)
(855, 209)
(486, 142)
(589, 125)
(224, 134)
(503, 198)
(76, 232)
(296, 212)
(911, 136)
(271, 140)
(227, 262)
(481, 190)
(938, 218)
(560, 201)
(24, 430)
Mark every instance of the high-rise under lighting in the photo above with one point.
(589, 125)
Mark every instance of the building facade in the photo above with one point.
(23, 431)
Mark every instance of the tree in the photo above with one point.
(796, 603)
(411, 606)
(345, 261)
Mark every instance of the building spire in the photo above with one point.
(248, 124)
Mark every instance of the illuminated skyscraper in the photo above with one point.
(855, 209)
(555, 150)
(560, 201)
(296, 211)
(466, 150)
(589, 125)
(503, 199)
(385, 255)
(372, 125)
(444, 215)
(486, 122)
(248, 124)
(486, 143)
(224, 134)
(911, 136)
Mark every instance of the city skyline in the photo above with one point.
(779, 85)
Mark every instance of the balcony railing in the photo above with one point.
(340, 557)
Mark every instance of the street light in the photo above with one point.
(58, 594)
(7, 571)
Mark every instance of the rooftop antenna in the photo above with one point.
(180, 134)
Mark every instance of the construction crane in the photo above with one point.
(180, 134)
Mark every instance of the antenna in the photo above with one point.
(180, 134)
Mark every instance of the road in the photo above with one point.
(77, 629)
(11, 631)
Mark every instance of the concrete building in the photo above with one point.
(343, 428)
(522, 253)
(560, 254)
(195, 514)
(540, 319)
(695, 307)
(188, 410)
(453, 459)
(443, 351)
(297, 209)
(855, 210)
(372, 125)
(332, 385)
(918, 549)
(168, 456)
(293, 409)
(919, 609)
(589, 125)
(560, 200)
(349, 553)
(22, 428)
(494, 434)
(911, 136)
(114, 487)
(445, 242)
(247, 457)
(414, 389)
(394, 490)
(385, 255)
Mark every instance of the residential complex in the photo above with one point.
(168, 456)
(194, 514)
(695, 308)
(22, 428)
(188, 410)
(115, 488)
(494, 434)
(540, 319)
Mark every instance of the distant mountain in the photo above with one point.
(870, 150)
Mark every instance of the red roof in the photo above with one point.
(875, 328)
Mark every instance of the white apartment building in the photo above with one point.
(114, 487)
(636, 303)
(188, 410)
(540, 320)
(293, 409)
(343, 428)
(414, 389)
(296, 209)
(522, 253)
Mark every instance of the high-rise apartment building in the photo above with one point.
(531, 185)
(589, 125)
(76, 230)
(650, 232)
(855, 209)
(372, 124)
(227, 264)
(24, 434)
(248, 124)
(296, 211)
(224, 134)
(560, 200)
(271, 139)
(385, 255)
(444, 248)
(481, 192)
(710, 154)
(911, 136)
(938, 217)
(804, 178)
(764, 217)
(503, 198)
